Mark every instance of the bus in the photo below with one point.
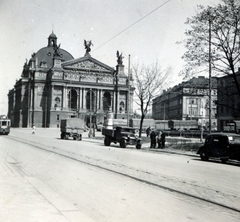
(4, 125)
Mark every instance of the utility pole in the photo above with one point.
(116, 93)
(210, 75)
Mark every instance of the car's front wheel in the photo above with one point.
(204, 155)
(122, 143)
(79, 137)
(224, 160)
(107, 141)
(138, 146)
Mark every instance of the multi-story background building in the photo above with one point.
(187, 101)
(228, 103)
(54, 85)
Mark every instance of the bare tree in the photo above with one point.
(149, 82)
(214, 41)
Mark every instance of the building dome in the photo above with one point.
(44, 56)
(52, 35)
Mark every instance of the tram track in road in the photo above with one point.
(69, 155)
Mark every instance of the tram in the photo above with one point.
(5, 124)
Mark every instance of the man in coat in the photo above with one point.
(153, 139)
(163, 139)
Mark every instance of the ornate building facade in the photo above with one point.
(188, 101)
(228, 103)
(54, 85)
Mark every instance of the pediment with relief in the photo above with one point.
(93, 65)
(88, 65)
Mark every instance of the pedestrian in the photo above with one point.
(148, 131)
(159, 139)
(153, 139)
(33, 129)
(163, 139)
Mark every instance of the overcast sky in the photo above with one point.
(146, 29)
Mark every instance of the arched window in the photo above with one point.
(121, 107)
(106, 101)
(90, 99)
(72, 99)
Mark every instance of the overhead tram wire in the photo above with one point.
(132, 24)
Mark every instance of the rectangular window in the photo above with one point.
(57, 117)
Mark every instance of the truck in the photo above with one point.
(72, 127)
(122, 135)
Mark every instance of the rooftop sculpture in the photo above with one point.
(119, 58)
(87, 45)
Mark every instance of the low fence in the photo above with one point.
(186, 134)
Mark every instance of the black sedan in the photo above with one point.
(221, 145)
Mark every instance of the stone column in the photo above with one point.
(66, 98)
(84, 98)
(79, 99)
(100, 99)
(118, 101)
(63, 97)
(95, 99)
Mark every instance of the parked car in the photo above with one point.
(221, 145)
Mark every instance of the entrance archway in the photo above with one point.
(72, 99)
(106, 101)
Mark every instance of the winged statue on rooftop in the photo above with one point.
(119, 58)
(56, 49)
(87, 45)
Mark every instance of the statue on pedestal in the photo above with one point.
(87, 45)
(119, 58)
(56, 49)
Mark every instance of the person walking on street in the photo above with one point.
(33, 129)
(148, 131)
(163, 139)
(159, 139)
(153, 139)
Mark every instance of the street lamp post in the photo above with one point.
(210, 74)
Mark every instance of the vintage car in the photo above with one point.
(221, 145)
(122, 135)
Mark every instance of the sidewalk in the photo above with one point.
(20, 201)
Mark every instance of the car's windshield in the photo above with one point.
(128, 130)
